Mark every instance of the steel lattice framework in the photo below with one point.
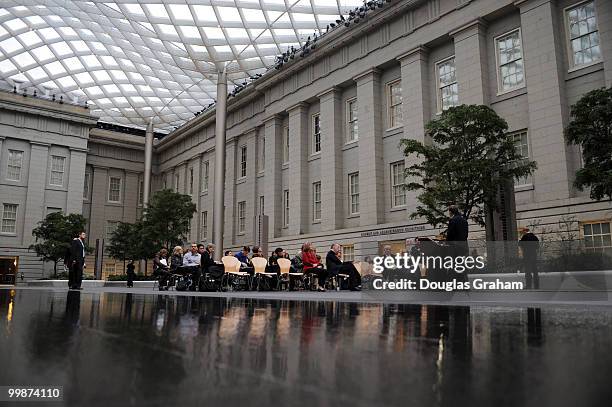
(136, 60)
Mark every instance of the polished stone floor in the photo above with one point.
(124, 349)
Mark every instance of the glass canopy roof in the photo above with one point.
(133, 60)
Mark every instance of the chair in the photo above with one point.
(259, 264)
(232, 270)
(286, 274)
(340, 276)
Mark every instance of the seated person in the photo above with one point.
(273, 260)
(336, 266)
(312, 265)
(176, 261)
(208, 264)
(192, 260)
(161, 268)
(243, 256)
(228, 253)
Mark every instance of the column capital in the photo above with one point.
(300, 105)
(414, 54)
(372, 72)
(471, 28)
(329, 92)
(275, 116)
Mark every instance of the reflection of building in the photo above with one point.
(314, 146)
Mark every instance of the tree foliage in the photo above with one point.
(591, 129)
(54, 235)
(166, 218)
(469, 157)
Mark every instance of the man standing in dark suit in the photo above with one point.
(456, 236)
(529, 245)
(77, 262)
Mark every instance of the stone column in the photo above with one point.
(230, 193)
(331, 159)
(195, 197)
(130, 196)
(604, 24)
(471, 63)
(250, 184)
(76, 180)
(37, 182)
(371, 187)
(298, 153)
(544, 73)
(99, 195)
(272, 185)
(415, 106)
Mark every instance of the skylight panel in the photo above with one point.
(237, 32)
(37, 73)
(134, 9)
(180, 12)
(213, 33)
(157, 11)
(204, 13)
(30, 39)
(189, 31)
(94, 91)
(61, 49)
(119, 76)
(111, 89)
(167, 29)
(68, 32)
(80, 46)
(49, 34)
(91, 62)
(101, 76)
(24, 60)
(55, 68)
(229, 14)
(84, 78)
(109, 61)
(73, 64)
(7, 66)
(67, 82)
(15, 25)
(10, 45)
(253, 15)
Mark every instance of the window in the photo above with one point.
(348, 252)
(353, 193)
(53, 210)
(57, 170)
(177, 180)
(352, 133)
(205, 176)
(521, 145)
(243, 161)
(285, 208)
(140, 192)
(285, 145)
(394, 101)
(111, 226)
(204, 225)
(86, 185)
(114, 189)
(109, 268)
(448, 92)
(583, 34)
(398, 192)
(316, 134)
(316, 201)
(597, 236)
(9, 218)
(241, 217)
(261, 205)
(190, 181)
(262, 155)
(15, 162)
(509, 61)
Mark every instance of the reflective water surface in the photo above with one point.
(127, 349)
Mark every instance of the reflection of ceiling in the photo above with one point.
(138, 59)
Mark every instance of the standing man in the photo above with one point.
(529, 245)
(77, 262)
(457, 235)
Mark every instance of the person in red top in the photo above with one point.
(312, 265)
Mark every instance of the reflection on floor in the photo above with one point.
(110, 349)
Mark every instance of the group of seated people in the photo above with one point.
(198, 266)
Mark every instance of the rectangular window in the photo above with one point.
(285, 208)
(114, 189)
(205, 176)
(285, 145)
(353, 183)
(394, 102)
(316, 201)
(584, 44)
(447, 89)
(398, 192)
(261, 205)
(262, 155)
(204, 225)
(509, 54)
(86, 185)
(241, 217)
(15, 162)
(109, 268)
(521, 145)
(111, 226)
(597, 236)
(9, 218)
(316, 134)
(191, 181)
(348, 252)
(140, 192)
(243, 161)
(352, 132)
(57, 170)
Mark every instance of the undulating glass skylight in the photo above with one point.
(136, 60)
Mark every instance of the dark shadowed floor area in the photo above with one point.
(123, 349)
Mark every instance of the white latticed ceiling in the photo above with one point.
(135, 60)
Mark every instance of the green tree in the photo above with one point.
(166, 218)
(591, 129)
(54, 235)
(121, 244)
(470, 156)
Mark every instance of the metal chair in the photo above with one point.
(259, 264)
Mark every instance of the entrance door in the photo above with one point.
(8, 269)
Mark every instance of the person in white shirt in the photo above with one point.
(192, 259)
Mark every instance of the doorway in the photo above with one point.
(8, 269)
